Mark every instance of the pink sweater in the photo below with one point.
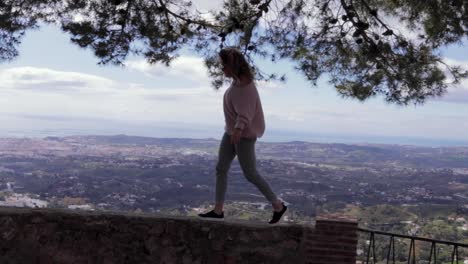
(243, 109)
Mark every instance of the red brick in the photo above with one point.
(333, 242)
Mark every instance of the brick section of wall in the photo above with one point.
(334, 241)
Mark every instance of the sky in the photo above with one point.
(55, 88)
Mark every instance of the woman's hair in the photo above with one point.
(236, 62)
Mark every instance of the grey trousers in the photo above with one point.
(245, 152)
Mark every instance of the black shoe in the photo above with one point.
(277, 215)
(212, 215)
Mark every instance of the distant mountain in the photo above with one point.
(134, 140)
(350, 154)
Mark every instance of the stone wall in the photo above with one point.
(63, 236)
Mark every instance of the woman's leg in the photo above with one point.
(246, 154)
(225, 156)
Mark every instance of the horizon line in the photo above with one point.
(347, 140)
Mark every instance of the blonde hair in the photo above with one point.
(237, 62)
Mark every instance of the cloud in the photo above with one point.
(269, 85)
(182, 68)
(205, 5)
(293, 116)
(42, 94)
(48, 80)
(57, 118)
(34, 80)
(456, 93)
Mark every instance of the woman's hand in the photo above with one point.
(236, 136)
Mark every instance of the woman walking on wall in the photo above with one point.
(244, 123)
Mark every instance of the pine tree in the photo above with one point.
(356, 44)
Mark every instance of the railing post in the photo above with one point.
(371, 246)
(455, 254)
(433, 252)
(412, 249)
(391, 249)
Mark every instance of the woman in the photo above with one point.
(244, 124)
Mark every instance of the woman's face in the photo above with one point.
(226, 69)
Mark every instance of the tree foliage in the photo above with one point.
(359, 45)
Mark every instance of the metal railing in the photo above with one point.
(390, 254)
